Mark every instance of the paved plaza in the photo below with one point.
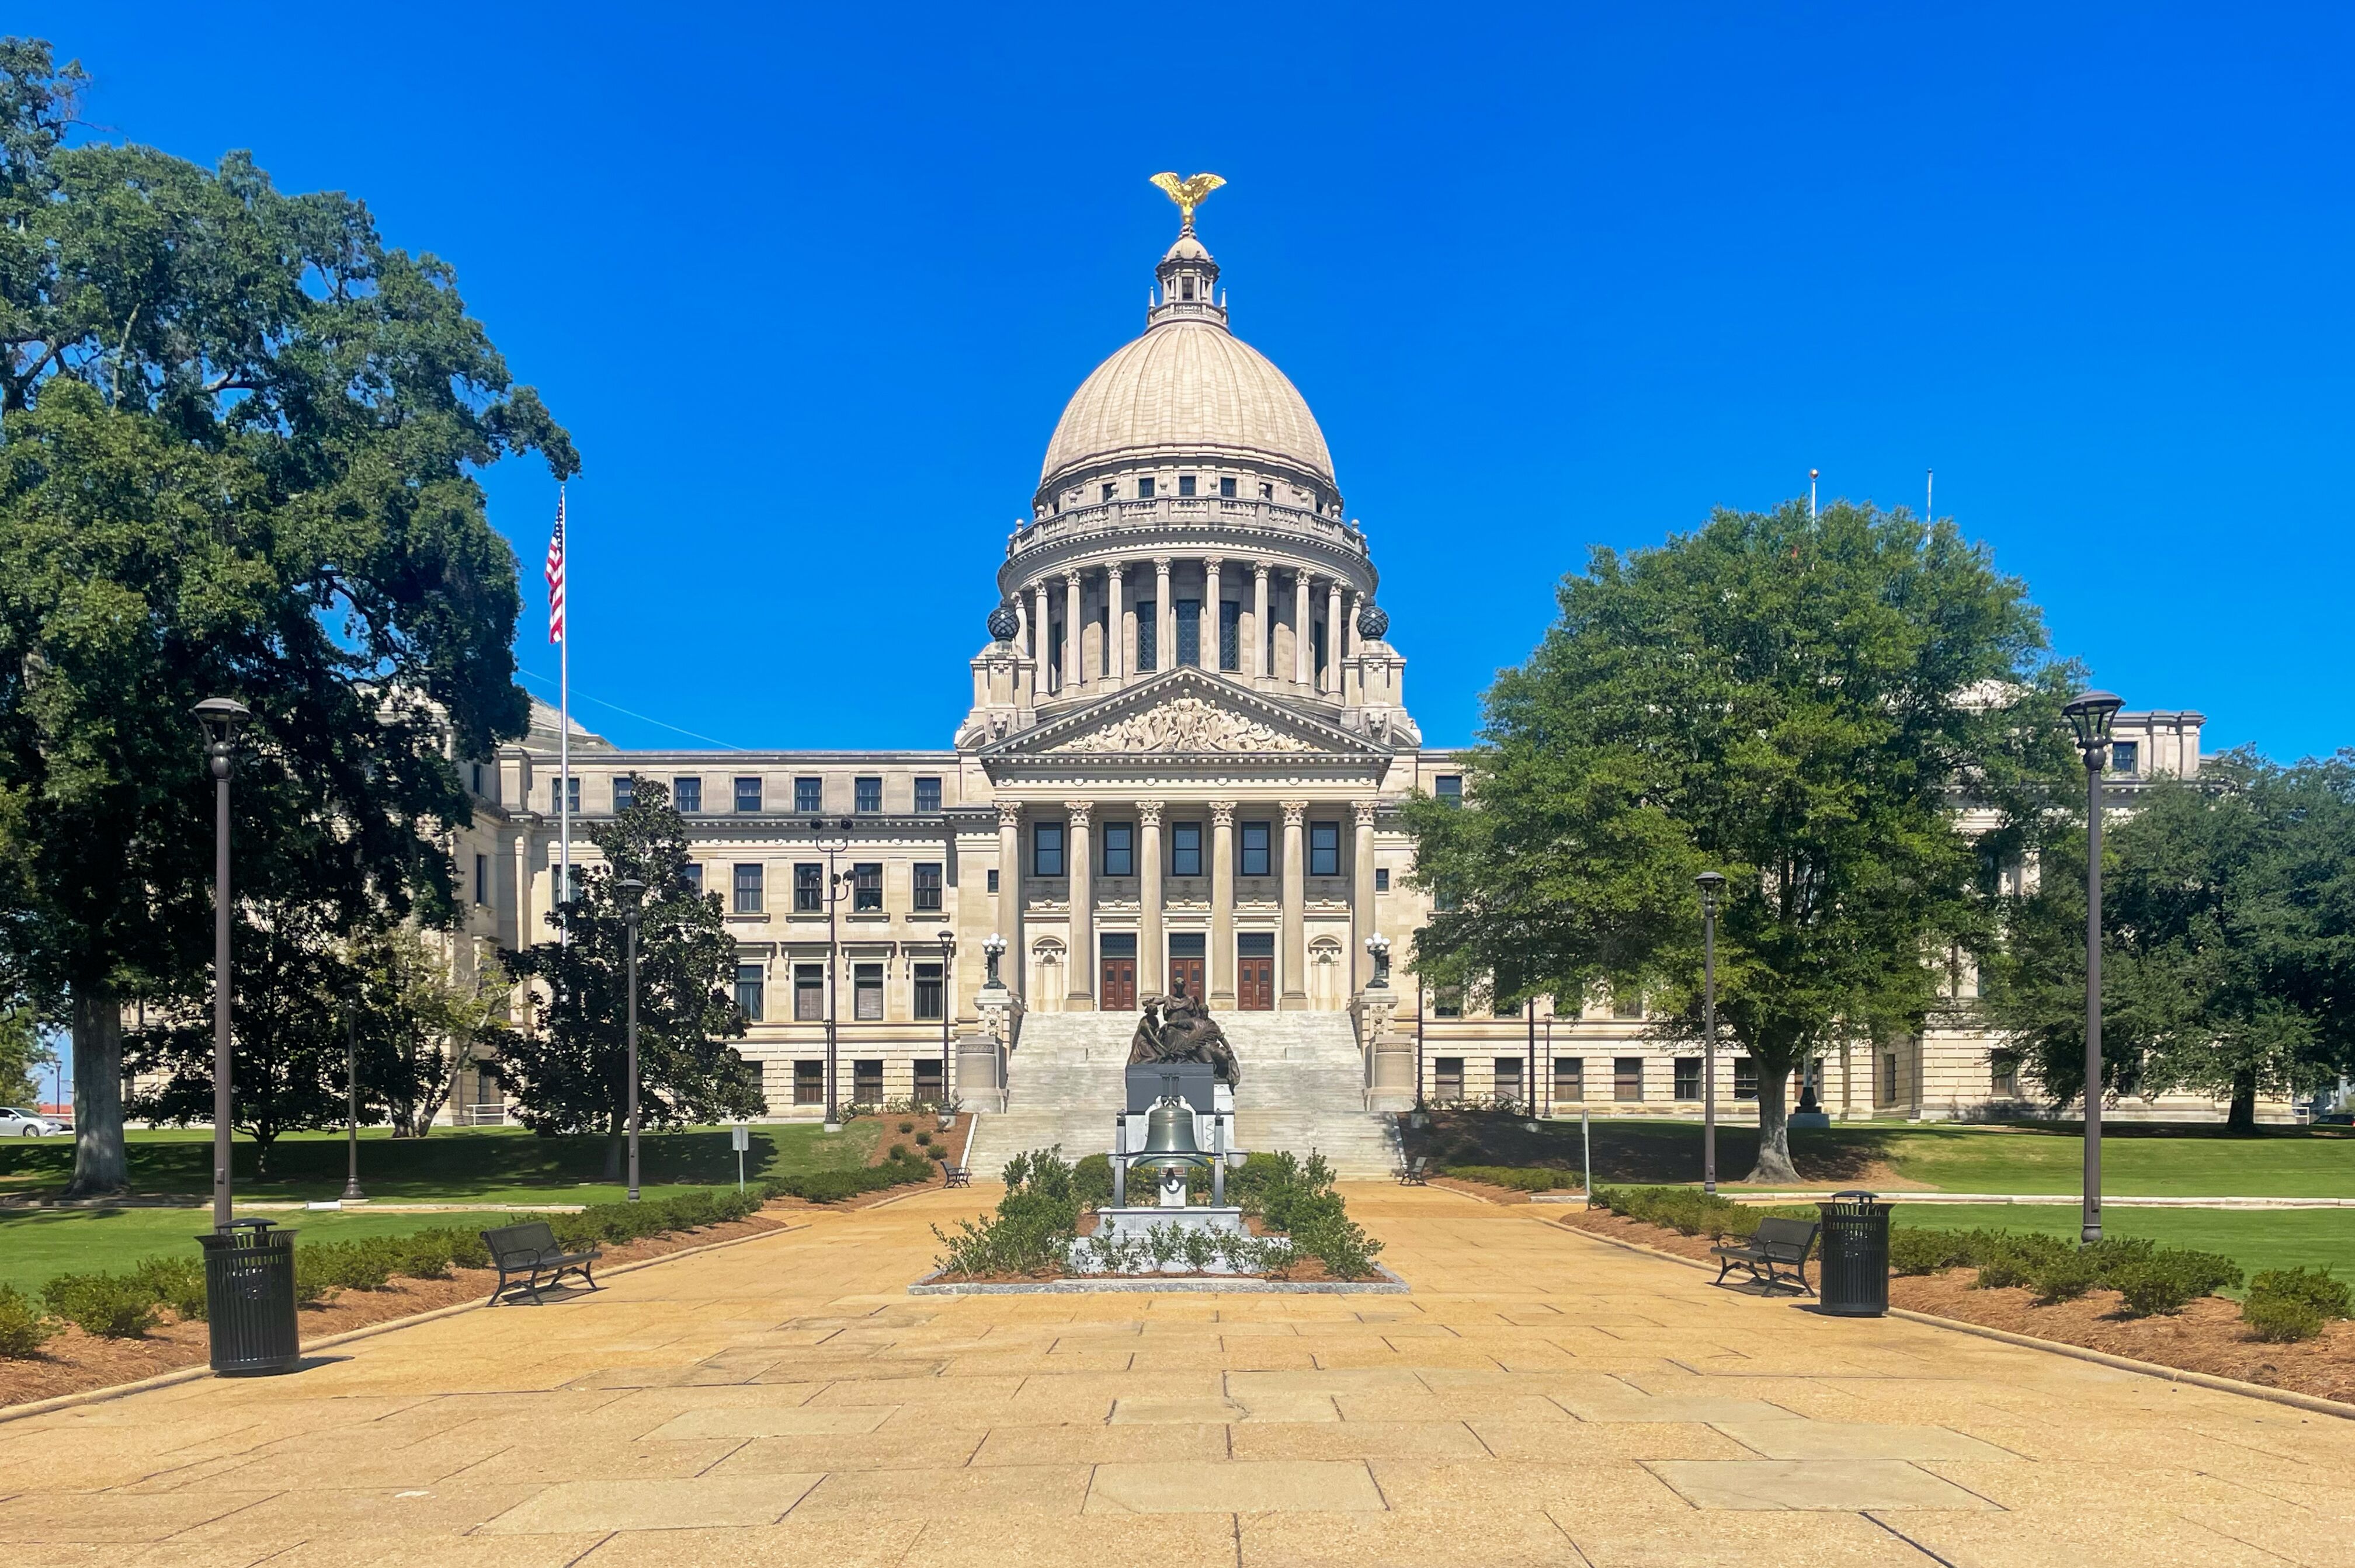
(1541, 1398)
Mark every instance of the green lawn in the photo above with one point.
(2139, 1161)
(453, 1164)
(2253, 1238)
(38, 1243)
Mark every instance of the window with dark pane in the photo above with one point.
(1189, 632)
(809, 888)
(1252, 843)
(1324, 848)
(1185, 848)
(809, 795)
(866, 887)
(1046, 849)
(1119, 849)
(927, 992)
(686, 793)
(927, 887)
(748, 991)
(867, 795)
(748, 888)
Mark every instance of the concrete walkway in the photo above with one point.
(1541, 1398)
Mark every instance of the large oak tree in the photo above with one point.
(1803, 704)
(239, 436)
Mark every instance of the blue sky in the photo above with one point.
(810, 288)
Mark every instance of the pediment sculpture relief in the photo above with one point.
(1185, 724)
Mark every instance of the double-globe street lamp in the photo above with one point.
(2090, 715)
(221, 718)
(633, 894)
(1712, 886)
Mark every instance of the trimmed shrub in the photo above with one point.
(2066, 1277)
(2167, 1278)
(1035, 1227)
(23, 1329)
(834, 1185)
(1686, 1209)
(177, 1283)
(2007, 1258)
(344, 1265)
(1092, 1180)
(2310, 1287)
(2281, 1319)
(1513, 1177)
(111, 1305)
(923, 1140)
(1913, 1251)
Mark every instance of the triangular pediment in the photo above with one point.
(1183, 713)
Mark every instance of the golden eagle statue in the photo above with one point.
(1188, 193)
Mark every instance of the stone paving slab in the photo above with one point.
(1540, 1397)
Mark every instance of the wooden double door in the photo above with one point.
(1255, 972)
(1189, 961)
(1116, 981)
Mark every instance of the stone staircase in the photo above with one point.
(1303, 1088)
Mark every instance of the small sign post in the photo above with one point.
(742, 1139)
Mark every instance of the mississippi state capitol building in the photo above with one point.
(1181, 770)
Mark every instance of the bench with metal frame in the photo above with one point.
(1778, 1245)
(955, 1175)
(1415, 1172)
(530, 1261)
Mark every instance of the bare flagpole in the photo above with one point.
(559, 633)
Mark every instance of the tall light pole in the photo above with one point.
(836, 882)
(1712, 886)
(2090, 716)
(352, 1193)
(948, 992)
(632, 893)
(221, 719)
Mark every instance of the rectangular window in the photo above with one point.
(1185, 483)
(1627, 1078)
(1449, 787)
(927, 992)
(1502, 1007)
(1149, 636)
(1185, 848)
(687, 794)
(1110, 491)
(1120, 850)
(809, 795)
(476, 774)
(1448, 1001)
(748, 794)
(558, 793)
(1884, 1091)
(1227, 489)
(809, 1082)
(809, 888)
(867, 994)
(482, 879)
(1569, 1080)
(748, 991)
(1230, 633)
(1444, 899)
(868, 795)
(1144, 489)
(2004, 1071)
(1046, 849)
(1508, 1078)
(928, 797)
(2125, 757)
(927, 887)
(993, 879)
(1253, 843)
(748, 888)
(930, 1085)
(1745, 1078)
(1324, 848)
(866, 887)
(867, 1082)
(1447, 1078)
(809, 993)
(1688, 1077)
(1189, 632)
(692, 875)
(625, 793)
(1381, 878)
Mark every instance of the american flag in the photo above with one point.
(555, 575)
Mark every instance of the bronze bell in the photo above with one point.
(1169, 1136)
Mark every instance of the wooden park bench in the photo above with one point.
(1415, 1172)
(956, 1176)
(530, 1261)
(1778, 1245)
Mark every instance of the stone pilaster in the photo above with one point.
(1042, 652)
(1361, 895)
(1333, 635)
(1295, 905)
(1116, 640)
(1303, 668)
(1152, 947)
(1077, 864)
(1165, 617)
(1073, 670)
(1262, 639)
(1212, 616)
(1222, 904)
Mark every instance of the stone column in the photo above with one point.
(1361, 896)
(1040, 653)
(1213, 614)
(1151, 946)
(1165, 617)
(1015, 970)
(1222, 904)
(1077, 865)
(1296, 904)
(1333, 635)
(525, 935)
(1115, 648)
(1262, 638)
(1073, 671)
(1303, 669)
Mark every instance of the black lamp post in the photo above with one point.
(948, 992)
(221, 719)
(352, 1193)
(993, 948)
(632, 893)
(1712, 886)
(2090, 715)
(837, 885)
(1380, 946)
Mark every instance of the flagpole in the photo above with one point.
(564, 744)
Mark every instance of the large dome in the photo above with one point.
(1187, 389)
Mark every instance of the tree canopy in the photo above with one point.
(1803, 704)
(2228, 938)
(238, 442)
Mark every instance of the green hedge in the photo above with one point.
(834, 1185)
(1517, 1177)
(1690, 1210)
(2150, 1278)
(2289, 1304)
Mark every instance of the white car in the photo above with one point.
(25, 1123)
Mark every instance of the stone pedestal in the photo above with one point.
(1131, 1223)
(1389, 1060)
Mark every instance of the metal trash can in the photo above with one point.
(249, 1298)
(1854, 1272)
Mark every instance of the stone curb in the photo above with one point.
(1391, 1284)
(190, 1374)
(2290, 1397)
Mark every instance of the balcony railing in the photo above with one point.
(1186, 511)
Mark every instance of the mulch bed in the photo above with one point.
(74, 1361)
(2207, 1336)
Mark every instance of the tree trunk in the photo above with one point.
(2243, 1115)
(100, 1168)
(1773, 1126)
